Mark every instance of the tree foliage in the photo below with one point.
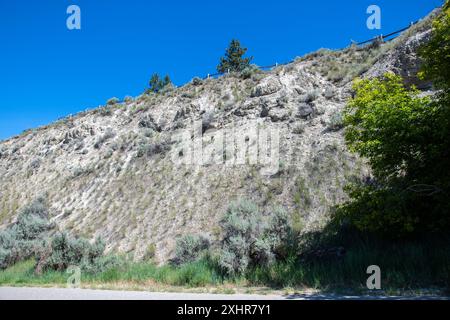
(389, 125)
(436, 53)
(156, 84)
(405, 138)
(234, 60)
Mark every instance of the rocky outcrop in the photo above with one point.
(125, 173)
(404, 60)
(266, 87)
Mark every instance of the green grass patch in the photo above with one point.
(404, 266)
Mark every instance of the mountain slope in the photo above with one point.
(115, 171)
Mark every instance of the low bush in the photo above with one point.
(299, 129)
(207, 118)
(309, 96)
(197, 81)
(251, 237)
(103, 138)
(22, 239)
(128, 99)
(190, 248)
(249, 71)
(152, 148)
(29, 238)
(65, 250)
(112, 101)
(329, 93)
(336, 121)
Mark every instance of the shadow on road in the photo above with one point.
(330, 296)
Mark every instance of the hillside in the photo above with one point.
(115, 171)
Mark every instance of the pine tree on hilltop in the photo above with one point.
(157, 84)
(166, 81)
(233, 60)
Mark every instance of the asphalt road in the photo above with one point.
(13, 293)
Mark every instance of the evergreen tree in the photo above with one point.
(166, 81)
(234, 60)
(156, 83)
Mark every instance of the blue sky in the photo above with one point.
(48, 71)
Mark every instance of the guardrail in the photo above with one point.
(383, 38)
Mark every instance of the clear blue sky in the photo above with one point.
(47, 71)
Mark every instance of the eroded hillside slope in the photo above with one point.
(113, 171)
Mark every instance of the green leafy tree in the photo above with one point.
(234, 60)
(436, 53)
(393, 128)
(387, 124)
(406, 139)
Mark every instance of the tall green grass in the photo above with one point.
(195, 274)
(404, 266)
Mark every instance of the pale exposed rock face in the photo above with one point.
(266, 87)
(113, 171)
(404, 61)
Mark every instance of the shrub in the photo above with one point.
(207, 118)
(190, 248)
(35, 164)
(336, 121)
(128, 99)
(5, 258)
(249, 71)
(28, 237)
(252, 238)
(305, 110)
(112, 101)
(103, 138)
(299, 129)
(329, 93)
(167, 88)
(152, 148)
(22, 239)
(309, 96)
(150, 252)
(64, 251)
(197, 81)
(148, 132)
(104, 111)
